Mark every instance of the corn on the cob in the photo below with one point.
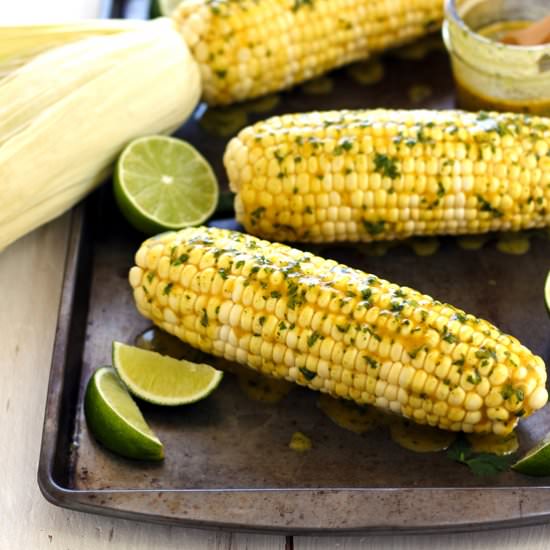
(247, 48)
(293, 315)
(383, 174)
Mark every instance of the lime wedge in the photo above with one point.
(163, 380)
(547, 292)
(164, 8)
(536, 461)
(115, 420)
(162, 184)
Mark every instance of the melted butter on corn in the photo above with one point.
(320, 324)
(383, 174)
(247, 48)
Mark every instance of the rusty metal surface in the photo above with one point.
(227, 458)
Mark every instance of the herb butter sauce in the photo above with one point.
(345, 414)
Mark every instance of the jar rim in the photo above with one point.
(452, 11)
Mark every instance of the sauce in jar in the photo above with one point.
(474, 101)
(491, 75)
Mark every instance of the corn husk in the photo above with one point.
(19, 44)
(66, 115)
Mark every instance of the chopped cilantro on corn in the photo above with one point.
(293, 315)
(247, 48)
(386, 174)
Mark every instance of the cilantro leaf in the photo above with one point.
(308, 374)
(486, 464)
(481, 464)
(460, 450)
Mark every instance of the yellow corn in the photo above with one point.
(293, 315)
(247, 48)
(383, 174)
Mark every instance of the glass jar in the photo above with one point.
(489, 74)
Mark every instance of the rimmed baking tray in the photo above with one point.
(228, 464)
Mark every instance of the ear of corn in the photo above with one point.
(293, 315)
(67, 114)
(383, 174)
(247, 48)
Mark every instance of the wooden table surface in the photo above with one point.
(31, 271)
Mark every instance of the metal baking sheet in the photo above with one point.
(228, 464)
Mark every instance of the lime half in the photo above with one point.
(115, 419)
(547, 292)
(162, 184)
(163, 380)
(536, 462)
(164, 8)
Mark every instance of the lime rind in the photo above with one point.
(133, 415)
(139, 369)
(536, 461)
(164, 8)
(190, 201)
(115, 420)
